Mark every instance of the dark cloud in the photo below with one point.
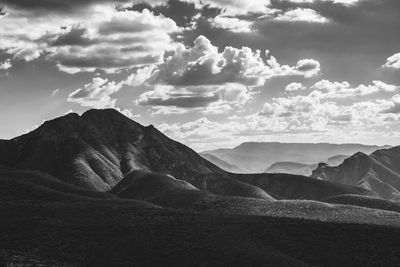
(76, 36)
(102, 61)
(53, 5)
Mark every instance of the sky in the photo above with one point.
(209, 73)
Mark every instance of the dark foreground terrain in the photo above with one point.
(127, 234)
(102, 190)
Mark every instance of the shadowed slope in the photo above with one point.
(379, 171)
(117, 235)
(96, 150)
(363, 201)
(33, 185)
(144, 185)
(289, 186)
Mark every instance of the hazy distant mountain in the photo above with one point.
(300, 168)
(253, 157)
(292, 168)
(221, 163)
(96, 150)
(379, 171)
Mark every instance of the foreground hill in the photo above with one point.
(379, 171)
(96, 150)
(93, 234)
(254, 157)
(284, 186)
(144, 185)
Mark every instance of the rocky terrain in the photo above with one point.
(378, 171)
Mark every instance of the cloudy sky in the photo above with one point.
(209, 73)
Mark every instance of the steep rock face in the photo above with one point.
(379, 171)
(96, 150)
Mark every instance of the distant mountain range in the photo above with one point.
(300, 168)
(379, 172)
(256, 157)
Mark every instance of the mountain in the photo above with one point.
(292, 168)
(221, 163)
(300, 168)
(96, 150)
(103, 150)
(253, 157)
(379, 171)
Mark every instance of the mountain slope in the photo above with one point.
(287, 186)
(379, 171)
(96, 150)
(301, 168)
(253, 157)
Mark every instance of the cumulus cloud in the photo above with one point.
(101, 38)
(323, 108)
(328, 89)
(294, 87)
(5, 65)
(96, 94)
(203, 64)
(301, 14)
(394, 105)
(202, 77)
(231, 24)
(393, 61)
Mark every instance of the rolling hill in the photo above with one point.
(379, 171)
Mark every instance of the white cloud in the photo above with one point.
(294, 87)
(231, 24)
(96, 94)
(393, 61)
(343, 2)
(55, 92)
(327, 89)
(203, 64)
(202, 79)
(302, 14)
(235, 7)
(5, 65)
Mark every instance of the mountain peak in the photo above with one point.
(97, 149)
